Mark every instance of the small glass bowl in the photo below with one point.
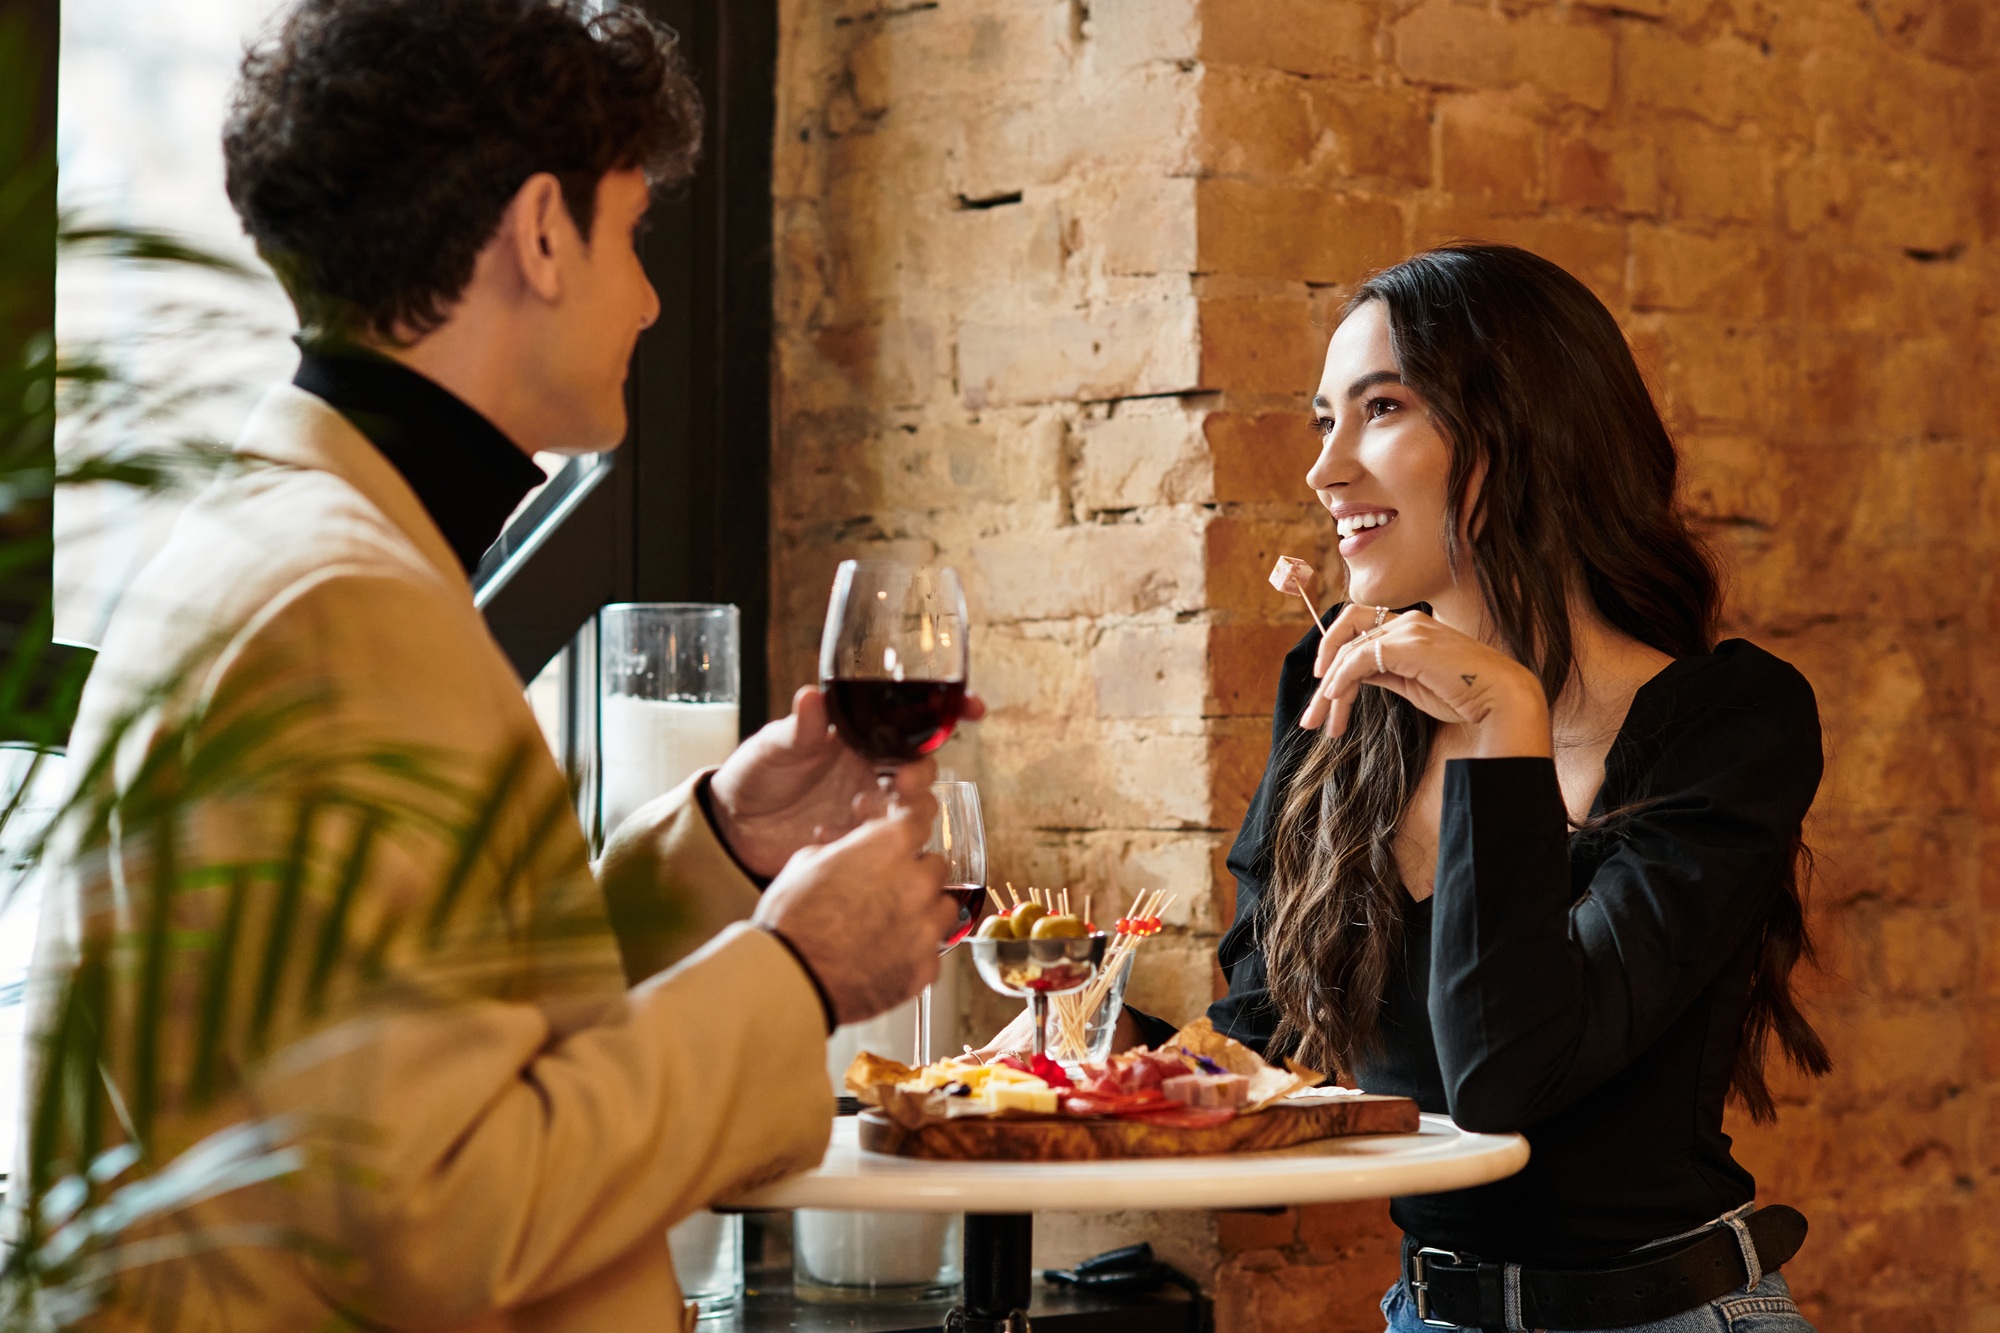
(1100, 1004)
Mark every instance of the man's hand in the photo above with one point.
(866, 913)
(794, 784)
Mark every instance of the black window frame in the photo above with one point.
(683, 511)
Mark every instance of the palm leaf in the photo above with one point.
(143, 245)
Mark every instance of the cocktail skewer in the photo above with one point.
(1073, 1011)
(1291, 575)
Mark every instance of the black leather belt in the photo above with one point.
(1460, 1291)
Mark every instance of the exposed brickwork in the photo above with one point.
(1089, 398)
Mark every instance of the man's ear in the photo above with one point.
(540, 229)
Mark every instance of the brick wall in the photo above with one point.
(1054, 278)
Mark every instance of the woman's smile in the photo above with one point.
(1359, 526)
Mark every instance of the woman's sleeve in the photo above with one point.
(1539, 995)
(1246, 1012)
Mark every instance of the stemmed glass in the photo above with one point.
(958, 834)
(892, 658)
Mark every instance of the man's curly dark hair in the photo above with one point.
(373, 145)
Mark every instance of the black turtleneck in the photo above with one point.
(468, 475)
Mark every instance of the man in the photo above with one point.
(501, 1133)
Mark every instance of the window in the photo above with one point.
(682, 511)
(143, 89)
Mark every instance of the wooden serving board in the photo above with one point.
(1060, 1139)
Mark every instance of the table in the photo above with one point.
(999, 1199)
(771, 1308)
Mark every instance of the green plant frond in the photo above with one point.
(555, 810)
(63, 1200)
(115, 1100)
(93, 802)
(61, 1126)
(277, 935)
(227, 1160)
(80, 369)
(284, 911)
(213, 1016)
(144, 245)
(181, 467)
(17, 799)
(333, 930)
(473, 841)
(76, 1299)
(155, 959)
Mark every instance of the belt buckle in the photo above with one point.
(1420, 1286)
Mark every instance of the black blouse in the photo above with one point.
(1587, 990)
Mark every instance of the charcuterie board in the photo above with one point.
(1073, 1139)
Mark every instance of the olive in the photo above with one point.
(1025, 916)
(1062, 927)
(996, 928)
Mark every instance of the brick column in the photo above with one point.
(1054, 280)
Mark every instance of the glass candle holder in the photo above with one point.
(667, 706)
(854, 1258)
(708, 1259)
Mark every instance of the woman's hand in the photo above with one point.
(1019, 1037)
(1449, 675)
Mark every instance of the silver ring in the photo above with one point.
(1381, 614)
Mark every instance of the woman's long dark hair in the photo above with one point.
(1525, 371)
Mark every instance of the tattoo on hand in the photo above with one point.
(1468, 679)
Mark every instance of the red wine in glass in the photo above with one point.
(895, 721)
(958, 835)
(892, 658)
(967, 896)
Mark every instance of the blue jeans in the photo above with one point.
(1768, 1309)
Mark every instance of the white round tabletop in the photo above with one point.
(1439, 1156)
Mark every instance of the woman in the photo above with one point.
(1528, 849)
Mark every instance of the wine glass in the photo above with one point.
(892, 659)
(958, 834)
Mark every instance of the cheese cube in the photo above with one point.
(1039, 1099)
(1291, 575)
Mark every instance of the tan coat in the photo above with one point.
(527, 1137)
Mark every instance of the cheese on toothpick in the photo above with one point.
(1291, 575)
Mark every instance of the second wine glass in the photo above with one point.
(958, 834)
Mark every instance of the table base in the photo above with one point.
(999, 1274)
(772, 1308)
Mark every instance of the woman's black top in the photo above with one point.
(1587, 990)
